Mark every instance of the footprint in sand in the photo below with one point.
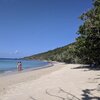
(61, 94)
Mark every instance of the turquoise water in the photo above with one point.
(11, 65)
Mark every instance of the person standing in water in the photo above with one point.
(19, 66)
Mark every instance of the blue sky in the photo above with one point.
(29, 27)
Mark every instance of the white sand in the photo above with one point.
(60, 82)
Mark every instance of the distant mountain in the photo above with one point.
(8, 58)
(62, 54)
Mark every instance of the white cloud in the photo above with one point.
(16, 52)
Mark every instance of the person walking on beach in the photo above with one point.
(19, 66)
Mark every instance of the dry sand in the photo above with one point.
(59, 82)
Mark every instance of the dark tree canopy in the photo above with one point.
(88, 42)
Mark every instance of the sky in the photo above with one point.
(30, 27)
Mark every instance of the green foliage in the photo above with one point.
(63, 54)
(87, 46)
(88, 43)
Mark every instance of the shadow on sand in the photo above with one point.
(87, 95)
(95, 68)
(32, 98)
(64, 95)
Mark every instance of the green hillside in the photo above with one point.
(86, 49)
(62, 54)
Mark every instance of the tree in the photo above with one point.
(88, 42)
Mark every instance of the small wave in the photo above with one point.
(6, 72)
(2, 71)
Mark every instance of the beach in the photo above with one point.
(58, 82)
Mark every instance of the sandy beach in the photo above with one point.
(59, 82)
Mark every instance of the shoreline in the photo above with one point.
(51, 83)
(4, 82)
(4, 69)
(50, 64)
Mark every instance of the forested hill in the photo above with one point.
(63, 54)
(86, 49)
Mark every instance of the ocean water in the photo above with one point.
(11, 65)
